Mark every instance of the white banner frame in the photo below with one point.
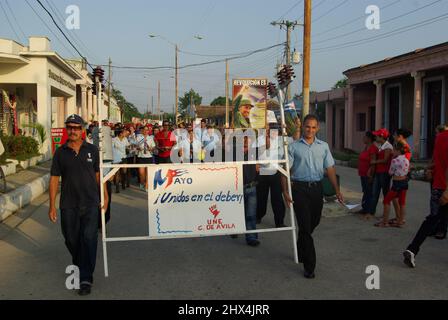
(115, 167)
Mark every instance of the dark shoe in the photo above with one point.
(234, 236)
(440, 235)
(409, 258)
(309, 275)
(85, 289)
(253, 243)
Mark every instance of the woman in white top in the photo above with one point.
(146, 146)
(119, 145)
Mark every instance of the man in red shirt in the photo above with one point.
(439, 198)
(366, 170)
(165, 140)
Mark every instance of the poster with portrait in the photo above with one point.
(249, 103)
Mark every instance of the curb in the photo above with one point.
(22, 196)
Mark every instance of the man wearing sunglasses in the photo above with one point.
(77, 162)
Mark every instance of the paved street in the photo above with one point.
(33, 258)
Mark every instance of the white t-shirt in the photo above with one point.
(119, 149)
(145, 144)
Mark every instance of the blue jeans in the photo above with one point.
(366, 193)
(380, 182)
(250, 212)
(80, 230)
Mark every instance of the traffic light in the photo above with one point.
(93, 84)
(272, 89)
(285, 76)
(99, 72)
(281, 77)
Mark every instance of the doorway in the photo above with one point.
(433, 113)
(393, 107)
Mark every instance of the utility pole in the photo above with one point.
(158, 97)
(227, 93)
(306, 59)
(108, 88)
(191, 101)
(289, 25)
(152, 106)
(177, 87)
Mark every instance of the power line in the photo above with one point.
(295, 5)
(63, 33)
(60, 18)
(314, 7)
(385, 35)
(9, 22)
(331, 10)
(46, 25)
(15, 19)
(354, 20)
(201, 63)
(383, 22)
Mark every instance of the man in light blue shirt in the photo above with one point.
(309, 158)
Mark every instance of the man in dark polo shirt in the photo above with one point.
(77, 162)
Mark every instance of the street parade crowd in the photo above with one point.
(384, 167)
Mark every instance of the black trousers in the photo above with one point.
(428, 226)
(80, 230)
(308, 205)
(272, 183)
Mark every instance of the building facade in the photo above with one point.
(406, 91)
(39, 86)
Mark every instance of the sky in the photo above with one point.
(120, 30)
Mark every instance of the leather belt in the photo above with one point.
(306, 183)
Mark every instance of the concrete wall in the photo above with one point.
(364, 96)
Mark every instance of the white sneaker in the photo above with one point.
(409, 258)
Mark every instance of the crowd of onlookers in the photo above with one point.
(384, 167)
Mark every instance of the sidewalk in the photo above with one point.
(23, 187)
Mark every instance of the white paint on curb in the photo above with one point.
(22, 196)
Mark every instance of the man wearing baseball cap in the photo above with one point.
(77, 163)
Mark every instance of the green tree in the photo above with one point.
(220, 101)
(127, 108)
(341, 83)
(184, 101)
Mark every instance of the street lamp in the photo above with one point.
(176, 67)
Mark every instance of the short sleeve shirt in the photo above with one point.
(399, 166)
(78, 172)
(145, 144)
(364, 160)
(309, 161)
(440, 158)
(168, 141)
(384, 167)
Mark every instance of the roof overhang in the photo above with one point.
(57, 60)
(12, 58)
